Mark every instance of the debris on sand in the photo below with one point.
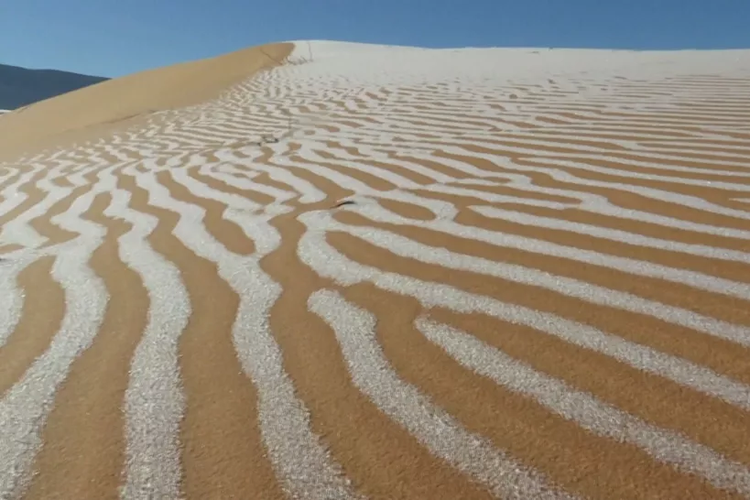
(345, 202)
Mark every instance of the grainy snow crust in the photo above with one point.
(534, 153)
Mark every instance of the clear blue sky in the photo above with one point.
(116, 37)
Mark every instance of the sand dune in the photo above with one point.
(105, 107)
(327, 270)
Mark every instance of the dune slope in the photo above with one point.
(383, 272)
(101, 109)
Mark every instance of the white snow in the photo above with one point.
(332, 57)
(371, 118)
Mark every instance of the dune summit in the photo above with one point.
(326, 270)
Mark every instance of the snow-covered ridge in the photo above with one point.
(511, 62)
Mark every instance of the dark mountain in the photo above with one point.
(21, 86)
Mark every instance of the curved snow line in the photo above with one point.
(664, 445)
(11, 297)
(18, 230)
(154, 401)
(693, 279)
(315, 251)
(613, 234)
(12, 197)
(25, 407)
(303, 464)
(440, 433)
(594, 294)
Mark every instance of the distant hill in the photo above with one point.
(21, 86)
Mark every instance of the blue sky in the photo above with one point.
(116, 37)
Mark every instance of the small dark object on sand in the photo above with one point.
(345, 202)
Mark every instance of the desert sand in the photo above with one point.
(326, 270)
(102, 108)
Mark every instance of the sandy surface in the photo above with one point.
(100, 110)
(381, 272)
